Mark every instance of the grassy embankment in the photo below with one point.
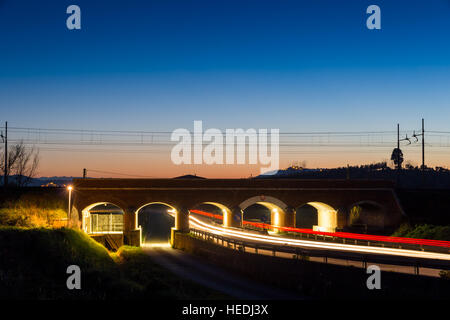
(33, 210)
(33, 264)
(34, 258)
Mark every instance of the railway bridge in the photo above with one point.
(332, 199)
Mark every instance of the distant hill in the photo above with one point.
(189, 176)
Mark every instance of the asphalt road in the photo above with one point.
(382, 255)
(192, 268)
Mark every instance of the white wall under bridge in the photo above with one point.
(86, 219)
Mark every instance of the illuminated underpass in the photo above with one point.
(155, 222)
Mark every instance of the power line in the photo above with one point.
(120, 174)
(96, 131)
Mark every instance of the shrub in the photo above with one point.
(423, 231)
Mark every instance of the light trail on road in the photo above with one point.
(233, 233)
(344, 235)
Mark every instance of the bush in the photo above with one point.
(424, 231)
(445, 274)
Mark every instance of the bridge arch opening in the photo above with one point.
(306, 217)
(365, 215)
(257, 213)
(265, 209)
(318, 216)
(155, 221)
(102, 218)
(221, 214)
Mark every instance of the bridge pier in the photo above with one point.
(290, 217)
(131, 235)
(277, 219)
(282, 218)
(238, 217)
(342, 217)
(233, 218)
(181, 224)
(182, 220)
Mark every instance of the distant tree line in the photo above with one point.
(408, 177)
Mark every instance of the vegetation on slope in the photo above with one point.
(33, 265)
(423, 231)
(32, 210)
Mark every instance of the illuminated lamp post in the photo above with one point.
(69, 188)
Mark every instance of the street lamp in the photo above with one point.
(69, 188)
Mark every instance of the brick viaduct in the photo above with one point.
(333, 199)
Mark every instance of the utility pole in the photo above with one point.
(423, 146)
(423, 153)
(5, 178)
(84, 173)
(398, 160)
(423, 149)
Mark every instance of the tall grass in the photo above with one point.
(32, 210)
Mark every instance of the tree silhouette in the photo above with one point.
(22, 163)
(397, 157)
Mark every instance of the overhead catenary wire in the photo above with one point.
(119, 173)
(154, 142)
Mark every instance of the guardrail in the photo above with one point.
(303, 253)
(439, 246)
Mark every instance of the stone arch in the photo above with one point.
(278, 209)
(225, 211)
(369, 213)
(86, 215)
(306, 216)
(152, 203)
(269, 201)
(327, 219)
(172, 212)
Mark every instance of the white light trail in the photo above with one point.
(315, 244)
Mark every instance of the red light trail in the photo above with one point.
(344, 235)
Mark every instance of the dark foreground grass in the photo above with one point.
(33, 264)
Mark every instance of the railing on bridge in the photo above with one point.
(304, 254)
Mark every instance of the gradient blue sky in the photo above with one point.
(159, 65)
